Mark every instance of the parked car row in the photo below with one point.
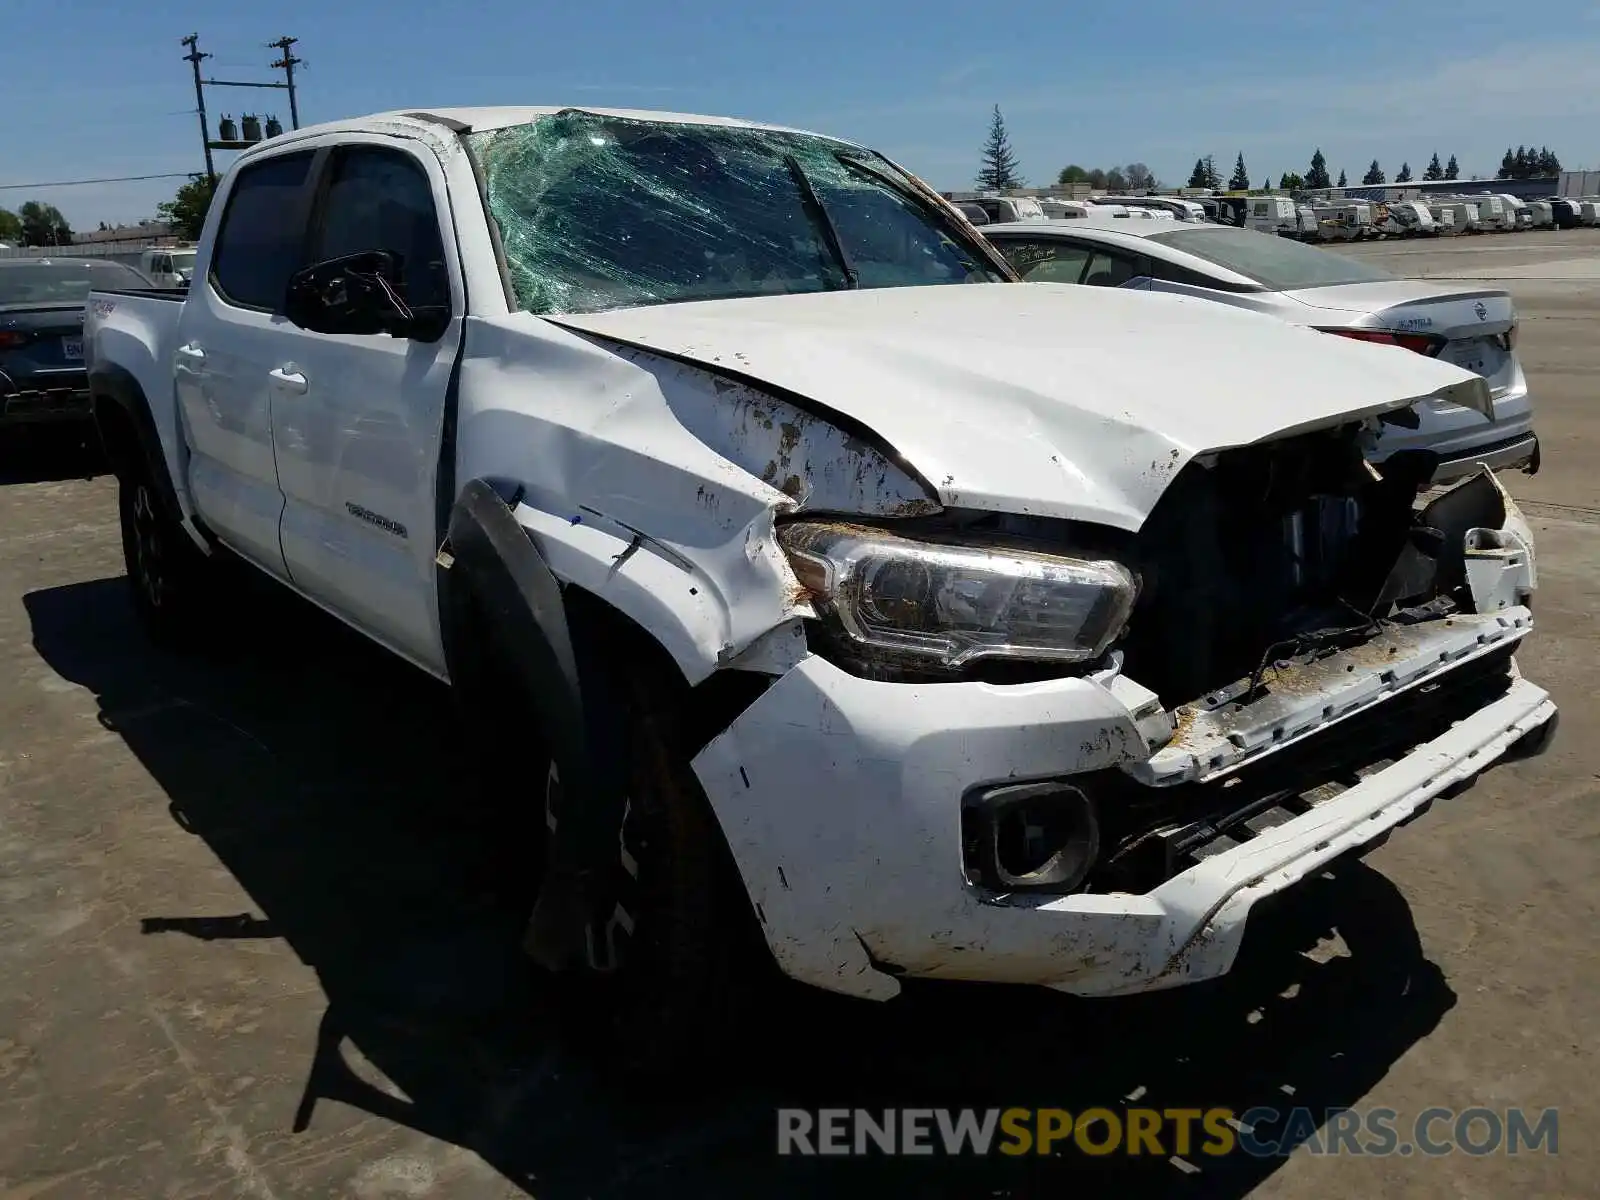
(1472, 327)
(42, 374)
(841, 597)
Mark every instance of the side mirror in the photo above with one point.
(355, 294)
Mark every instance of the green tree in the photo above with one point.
(999, 170)
(1140, 177)
(1116, 180)
(43, 225)
(1405, 173)
(1434, 170)
(1073, 173)
(10, 226)
(1549, 164)
(1317, 176)
(1266, 183)
(186, 211)
(1508, 165)
(1198, 178)
(1098, 179)
(1239, 181)
(1374, 174)
(1451, 171)
(1344, 180)
(1289, 181)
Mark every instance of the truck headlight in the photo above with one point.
(949, 604)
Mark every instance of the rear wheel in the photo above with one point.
(166, 571)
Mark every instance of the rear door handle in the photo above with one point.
(192, 351)
(287, 379)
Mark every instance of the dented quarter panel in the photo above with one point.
(624, 498)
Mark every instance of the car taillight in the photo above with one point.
(1422, 343)
(12, 337)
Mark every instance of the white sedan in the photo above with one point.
(1473, 327)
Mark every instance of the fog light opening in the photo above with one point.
(1030, 837)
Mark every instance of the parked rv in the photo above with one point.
(1493, 213)
(1009, 208)
(1347, 221)
(1465, 214)
(1444, 219)
(1543, 214)
(1273, 214)
(1407, 218)
(1565, 212)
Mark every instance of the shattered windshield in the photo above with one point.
(601, 212)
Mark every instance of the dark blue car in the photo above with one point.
(42, 375)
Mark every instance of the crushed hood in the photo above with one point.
(1041, 399)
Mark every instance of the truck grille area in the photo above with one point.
(1151, 834)
(1267, 552)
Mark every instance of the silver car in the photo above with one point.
(1474, 328)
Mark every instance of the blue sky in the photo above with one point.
(106, 92)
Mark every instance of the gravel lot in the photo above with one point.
(252, 943)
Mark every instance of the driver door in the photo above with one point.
(357, 418)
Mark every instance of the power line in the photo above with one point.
(15, 187)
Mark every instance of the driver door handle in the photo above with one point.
(287, 379)
(191, 350)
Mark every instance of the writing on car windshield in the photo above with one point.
(602, 212)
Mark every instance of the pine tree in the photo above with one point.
(1344, 180)
(1198, 177)
(1434, 171)
(999, 170)
(1451, 171)
(1317, 176)
(1405, 173)
(1508, 165)
(1239, 181)
(1520, 166)
(1266, 183)
(1291, 182)
(1374, 174)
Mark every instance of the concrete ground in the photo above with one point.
(255, 941)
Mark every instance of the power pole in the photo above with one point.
(287, 64)
(195, 58)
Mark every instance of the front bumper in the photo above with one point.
(840, 800)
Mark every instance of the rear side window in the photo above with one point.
(262, 233)
(1047, 260)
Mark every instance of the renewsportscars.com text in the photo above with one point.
(1258, 1132)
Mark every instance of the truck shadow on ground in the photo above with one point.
(323, 774)
(48, 453)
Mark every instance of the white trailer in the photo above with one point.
(1493, 213)
(1272, 214)
(1543, 214)
(1464, 214)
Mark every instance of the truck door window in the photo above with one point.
(1047, 260)
(380, 199)
(263, 229)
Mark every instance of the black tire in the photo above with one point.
(670, 969)
(167, 573)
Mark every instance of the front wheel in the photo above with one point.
(668, 966)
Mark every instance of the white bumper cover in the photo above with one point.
(840, 798)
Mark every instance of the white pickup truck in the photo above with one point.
(820, 581)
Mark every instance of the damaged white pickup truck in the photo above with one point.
(785, 549)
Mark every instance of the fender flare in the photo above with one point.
(117, 385)
(497, 592)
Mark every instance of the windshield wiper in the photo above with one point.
(824, 223)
